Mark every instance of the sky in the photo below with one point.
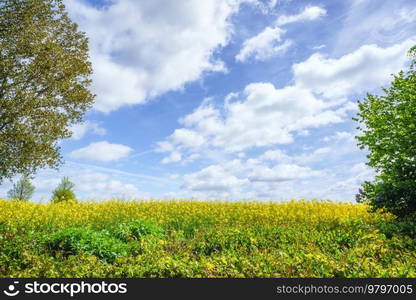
(229, 99)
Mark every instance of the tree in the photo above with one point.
(388, 126)
(22, 190)
(64, 191)
(44, 80)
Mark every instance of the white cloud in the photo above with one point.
(391, 23)
(341, 136)
(319, 47)
(255, 177)
(187, 138)
(308, 14)
(141, 49)
(348, 186)
(267, 44)
(174, 156)
(101, 151)
(272, 3)
(275, 155)
(363, 70)
(213, 178)
(316, 155)
(263, 116)
(282, 172)
(81, 129)
(94, 184)
(264, 45)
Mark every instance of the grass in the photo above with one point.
(203, 239)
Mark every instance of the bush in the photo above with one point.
(397, 197)
(228, 240)
(74, 241)
(135, 230)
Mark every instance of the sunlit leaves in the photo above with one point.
(44, 80)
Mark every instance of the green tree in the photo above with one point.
(44, 80)
(388, 127)
(22, 190)
(64, 191)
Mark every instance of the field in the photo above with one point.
(203, 239)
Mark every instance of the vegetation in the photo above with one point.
(388, 126)
(22, 190)
(64, 191)
(44, 80)
(203, 239)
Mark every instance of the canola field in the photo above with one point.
(203, 239)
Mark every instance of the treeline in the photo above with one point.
(23, 190)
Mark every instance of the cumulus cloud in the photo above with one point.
(81, 129)
(141, 49)
(261, 116)
(309, 13)
(363, 70)
(254, 177)
(275, 155)
(282, 172)
(101, 151)
(264, 45)
(268, 43)
(212, 178)
(341, 136)
(174, 156)
(94, 184)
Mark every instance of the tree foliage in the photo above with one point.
(388, 126)
(64, 191)
(44, 80)
(22, 190)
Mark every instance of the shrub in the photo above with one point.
(135, 230)
(77, 240)
(398, 197)
(215, 241)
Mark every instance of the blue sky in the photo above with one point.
(229, 99)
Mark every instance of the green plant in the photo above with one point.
(135, 230)
(44, 83)
(125, 239)
(22, 190)
(388, 126)
(64, 191)
(78, 240)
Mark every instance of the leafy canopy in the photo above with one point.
(64, 191)
(22, 190)
(44, 80)
(388, 127)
